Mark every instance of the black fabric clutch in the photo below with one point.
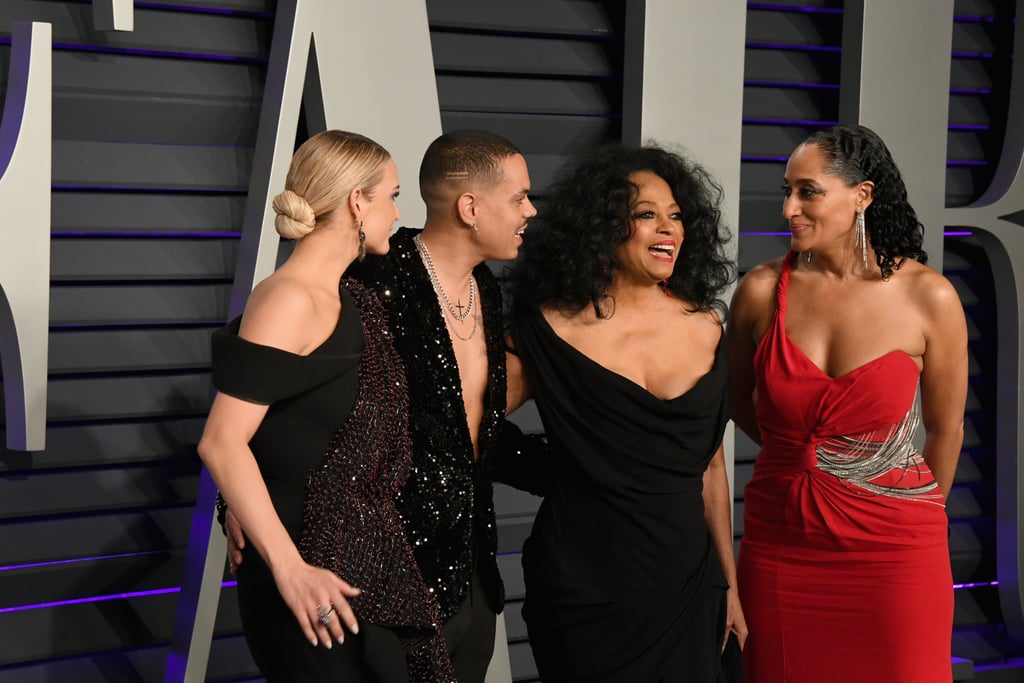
(732, 661)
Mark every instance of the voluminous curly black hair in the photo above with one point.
(856, 154)
(570, 261)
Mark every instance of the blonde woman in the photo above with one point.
(307, 440)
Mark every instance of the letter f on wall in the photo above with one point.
(25, 143)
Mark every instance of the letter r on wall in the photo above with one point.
(25, 143)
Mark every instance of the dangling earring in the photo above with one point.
(665, 287)
(808, 255)
(475, 229)
(362, 242)
(862, 238)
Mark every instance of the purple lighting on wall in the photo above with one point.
(977, 584)
(800, 48)
(972, 20)
(786, 233)
(783, 84)
(51, 563)
(203, 10)
(103, 598)
(971, 55)
(138, 233)
(175, 54)
(790, 122)
(790, 8)
(754, 157)
(232, 191)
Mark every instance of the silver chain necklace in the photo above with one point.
(435, 282)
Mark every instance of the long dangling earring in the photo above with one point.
(862, 238)
(473, 226)
(808, 255)
(362, 242)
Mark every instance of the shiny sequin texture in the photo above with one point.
(447, 503)
(350, 522)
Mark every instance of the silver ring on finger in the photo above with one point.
(323, 614)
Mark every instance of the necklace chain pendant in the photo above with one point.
(442, 296)
(428, 262)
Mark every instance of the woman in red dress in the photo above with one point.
(839, 350)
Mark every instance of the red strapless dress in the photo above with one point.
(844, 565)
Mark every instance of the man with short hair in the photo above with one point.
(445, 313)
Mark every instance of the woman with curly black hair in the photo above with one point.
(839, 350)
(617, 331)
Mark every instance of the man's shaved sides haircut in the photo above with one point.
(461, 160)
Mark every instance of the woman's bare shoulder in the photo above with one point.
(280, 312)
(758, 285)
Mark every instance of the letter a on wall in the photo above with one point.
(25, 142)
(363, 66)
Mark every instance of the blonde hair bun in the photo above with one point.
(295, 217)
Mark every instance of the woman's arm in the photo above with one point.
(518, 389)
(718, 515)
(750, 309)
(943, 377)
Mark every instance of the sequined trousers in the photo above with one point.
(350, 522)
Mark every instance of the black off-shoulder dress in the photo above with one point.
(334, 451)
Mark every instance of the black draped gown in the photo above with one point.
(623, 582)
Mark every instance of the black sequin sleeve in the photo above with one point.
(521, 460)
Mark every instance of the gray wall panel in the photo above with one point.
(793, 104)
(969, 73)
(961, 186)
(134, 98)
(793, 28)
(106, 398)
(522, 662)
(981, 8)
(149, 259)
(967, 109)
(214, 34)
(547, 142)
(107, 533)
(564, 17)
(79, 163)
(95, 211)
(527, 96)
(471, 53)
(74, 492)
(229, 658)
(791, 66)
(964, 145)
(255, 6)
(971, 37)
(119, 350)
(539, 134)
(138, 304)
(182, 121)
(765, 140)
(107, 444)
(92, 577)
(75, 629)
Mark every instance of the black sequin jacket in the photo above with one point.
(447, 504)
